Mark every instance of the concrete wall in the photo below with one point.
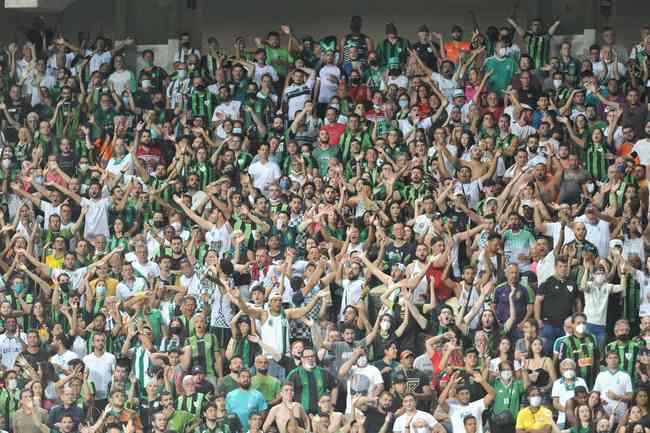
(156, 21)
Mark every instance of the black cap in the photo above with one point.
(457, 29)
(197, 369)
(260, 50)
(398, 378)
(423, 28)
(471, 350)
(488, 183)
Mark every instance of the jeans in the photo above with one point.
(550, 333)
(599, 332)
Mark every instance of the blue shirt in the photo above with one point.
(244, 403)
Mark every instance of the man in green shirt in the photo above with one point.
(324, 152)
(500, 69)
(393, 49)
(627, 349)
(267, 385)
(508, 390)
(177, 420)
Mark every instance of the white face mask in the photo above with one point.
(362, 361)
(83, 167)
(146, 84)
(535, 401)
(599, 279)
(591, 188)
(403, 103)
(422, 430)
(6, 163)
(176, 226)
(384, 325)
(12, 384)
(182, 73)
(557, 83)
(581, 328)
(506, 375)
(502, 52)
(569, 374)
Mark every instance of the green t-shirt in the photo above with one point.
(268, 386)
(503, 71)
(508, 398)
(179, 420)
(279, 58)
(322, 157)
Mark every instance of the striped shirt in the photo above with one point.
(538, 48)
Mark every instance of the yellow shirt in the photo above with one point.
(53, 262)
(527, 419)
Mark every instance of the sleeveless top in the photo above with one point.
(274, 331)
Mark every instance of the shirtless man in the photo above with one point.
(336, 418)
(285, 410)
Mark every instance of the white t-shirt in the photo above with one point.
(125, 291)
(48, 210)
(264, 174)
(445, 85)
(63, 360)
(598, 234)
(96, 222)
(100, 370)
(642, 148)
(644, 282)
(619, 383)
(219, 239)
(97, 59)
(328, 88)
(457, 413)
(564, 393)
(227, 110)
(400, 422)
(296, 95)
(10, 348)
(553, 230)
(115, 165)
(261, 70)
(122, 80)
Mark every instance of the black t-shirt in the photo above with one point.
(34, 358)
(231, 421)
(425, 52)
(68, 163)
(559, 297)
(375, 419)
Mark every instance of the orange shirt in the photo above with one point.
(454, 49)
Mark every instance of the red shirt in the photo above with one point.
(335, 130)
(150, 155)
(358, 93)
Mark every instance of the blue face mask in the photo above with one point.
(284, 184)
(403, 103)
(100, 290)
(18, 288)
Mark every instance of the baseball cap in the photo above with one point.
(405, 354)
(398, 377)
(588, 247)
(471, 350)
(614, 243)
(489, 199)
(197, 369)
(458, 93)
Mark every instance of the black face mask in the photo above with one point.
(160, 105)
(187, 44)
(158, 224)
(200, 88)
(65, 287)
(263, 370)
(356, 81)
(373, 62)
(176, 330)
(251, 95)
(624, 337)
